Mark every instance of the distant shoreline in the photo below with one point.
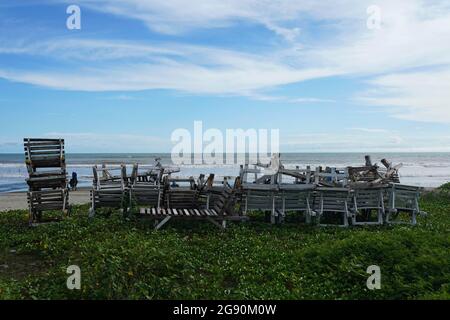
(18, 200)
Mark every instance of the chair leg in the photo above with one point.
(218, 225)
(345, 216)
(308, 216)
(91, 212)
(414, 218)
(162, 223)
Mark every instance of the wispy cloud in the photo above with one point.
(418, 96)
(364, 141)
(414, 35)
(370, 130)
(95, 142)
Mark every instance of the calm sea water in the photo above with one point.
(423, 169)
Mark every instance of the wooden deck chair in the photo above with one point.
(108, 191)
(334, 201)
(145, 192)
(212, 190)
(402, 199)
(297, 198)
(218, 215)
(46, 165)
(264, 197)
(47, 181)
(178, 196)
(367, 201)
(46, 200)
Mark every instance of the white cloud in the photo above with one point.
(364, 141)
(370, 130)
(419, 96)
(414, 34)
(98, 143)
(195, 69)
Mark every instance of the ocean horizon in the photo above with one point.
(426, 169)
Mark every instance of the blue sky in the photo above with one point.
(137, 70)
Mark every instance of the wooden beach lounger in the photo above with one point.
(333, 201)
(145, 191)
(46, 164)
(366, 201)
(297, 198)
(218, 215)
(263, 197)
(47, 200)
(47, 181)
(108, 191)
(401, 198)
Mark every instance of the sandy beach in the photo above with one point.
(18, 200)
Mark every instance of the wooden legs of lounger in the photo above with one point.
(159, 225)
(220, 224)
(390, 213)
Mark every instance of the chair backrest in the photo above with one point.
(367, 198)
(103, 179)
(403, 197)
(296, 199)
(261, 199)
(44, 153)
(226, 201)
(334, 199)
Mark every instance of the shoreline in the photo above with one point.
(18, 200)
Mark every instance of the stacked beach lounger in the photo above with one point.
(183, 200)
(108, 190)
(364, 195)
(47, 181)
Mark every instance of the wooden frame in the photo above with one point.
(402, 198)
(145, 191)
(366, 200)
(218, 215)
(334, 201)
(108, 191)
(46, 200)
(297, 197)
(47, 181)
(265, 198)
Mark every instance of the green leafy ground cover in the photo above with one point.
(126, 259)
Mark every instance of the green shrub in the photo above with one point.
(126, 259)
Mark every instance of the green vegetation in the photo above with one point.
(126, 259)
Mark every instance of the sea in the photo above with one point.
(421, 169)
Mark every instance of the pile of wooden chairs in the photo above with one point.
(160, 197)
(332, 196)
(108, 190)
(47, 181)
(365, 195)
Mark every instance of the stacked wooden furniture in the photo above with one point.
(400, 199)
(366, 195)
(181, 202)
(335, 202)
(146, 188)
(368, 202)
(47, 181)
(109, 190)
(268, 193)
